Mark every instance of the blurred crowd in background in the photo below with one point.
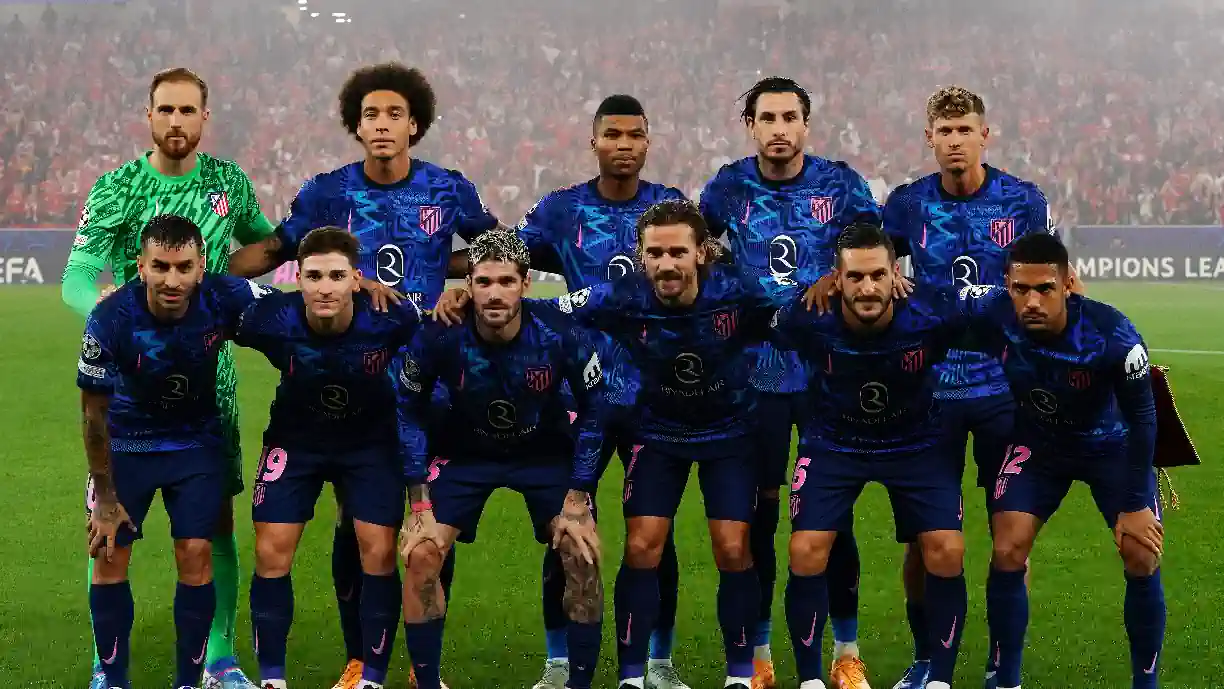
(1112, 106)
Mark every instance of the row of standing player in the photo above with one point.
(411, 215)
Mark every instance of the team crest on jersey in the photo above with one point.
(431, 219)
(375, 362)
(911, 361)
(822, 208)
(219, 201)
(1079, 378)
(539, 377)
(724, 324)
(1002, 231)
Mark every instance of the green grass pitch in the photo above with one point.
(494, 637)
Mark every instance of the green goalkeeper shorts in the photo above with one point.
(227, 401)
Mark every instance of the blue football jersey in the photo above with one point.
(592, 239)
(161, 376)
(693, 361)
(959, 242)
(406, 228)
(505, 398)
(876, 392)
(335, 392)
(783, 234)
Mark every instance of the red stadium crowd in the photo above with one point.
(1111, 108)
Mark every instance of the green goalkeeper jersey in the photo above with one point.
(216, 195)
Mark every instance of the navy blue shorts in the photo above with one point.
(192, 482)
(990, 420)
(776, 415)
(658, 472)
(924, 490)
(1035, 480)
(459, 490)
(368, 483)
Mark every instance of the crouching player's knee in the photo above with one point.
(423, 598)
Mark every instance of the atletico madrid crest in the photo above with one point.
(1002, 231)
(912, 361)
(822, 208)
(431, 219)
(539, 378)
(219, 201)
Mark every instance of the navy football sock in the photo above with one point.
(1144, 613)
(380, 611)
(113, 613)
(947, 602)
(663, 635)
(1007, 613)
(271, 617)
(424, 643)
(807, 609)
(738, 607)
(637, 607)
(194, 607)
(346, 576)
(765, 560)
(552, 590)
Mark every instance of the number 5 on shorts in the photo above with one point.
(800, 472)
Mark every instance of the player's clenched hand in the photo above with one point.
(381, 295)
(420, 527)
(449, 309)
(818, 294)
(104, 523)
(576, 522)
(1143, 526)
(106, 292)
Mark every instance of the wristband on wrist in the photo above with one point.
(422, 506)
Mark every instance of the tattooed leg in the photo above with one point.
(583, 603)
(423, 597)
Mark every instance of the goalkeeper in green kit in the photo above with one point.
(218, 197)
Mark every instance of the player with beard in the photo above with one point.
(875, 420)
(781, 211)
(405, 211)
(588, 234)
(151, 421)
(690, 327)
(215, 194)
(508, 426)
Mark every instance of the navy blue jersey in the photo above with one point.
(593, 239)
(506, 398)
(405, 228)
(1085, 394)
(783, 234)
(876, 391)
(161, 376)
(694, 361)
(959, 242)
(334, 392)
